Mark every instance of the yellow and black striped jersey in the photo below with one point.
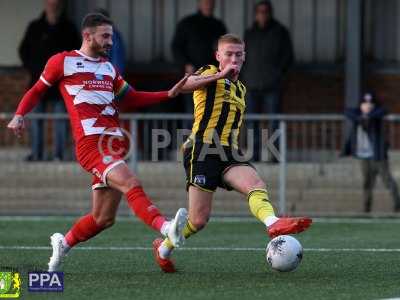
(218, 110)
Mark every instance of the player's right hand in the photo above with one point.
(17, 124)
(229, 71)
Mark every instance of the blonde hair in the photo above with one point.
(230, 38)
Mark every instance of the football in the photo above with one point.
(284, 253)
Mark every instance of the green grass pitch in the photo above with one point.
(343, 259)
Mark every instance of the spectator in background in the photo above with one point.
(194, 42)
(367, 142)
(269, 55)
(117, 53)
(51, 33)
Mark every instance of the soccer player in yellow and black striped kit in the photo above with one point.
(212, 157)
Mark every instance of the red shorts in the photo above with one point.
(99, 154)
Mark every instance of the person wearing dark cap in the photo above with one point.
(366, 141)
(269, 55)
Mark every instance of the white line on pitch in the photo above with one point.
(332, 220)
(99, 248)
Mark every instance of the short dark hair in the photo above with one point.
(102, 11)
(95, 19)
(262, 3)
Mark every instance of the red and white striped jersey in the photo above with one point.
(89, 87)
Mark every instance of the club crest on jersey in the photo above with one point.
(227, 93)
(200, 179)
(108, 66)
(107, 159)
(99, 76)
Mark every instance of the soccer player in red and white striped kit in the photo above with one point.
(94, 92)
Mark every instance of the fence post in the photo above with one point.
(133, 163)
(282, 167)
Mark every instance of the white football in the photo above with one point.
(284, 253)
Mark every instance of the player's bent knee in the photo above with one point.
(257, 184)
(130, 183)
(105, 222)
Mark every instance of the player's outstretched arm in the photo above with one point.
(137, 99)
(28, 102)
(196, 82)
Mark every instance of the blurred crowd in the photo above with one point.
(269, 57)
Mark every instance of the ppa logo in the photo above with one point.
(46, 282)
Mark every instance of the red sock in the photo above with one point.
(84, 229)
(144, 209)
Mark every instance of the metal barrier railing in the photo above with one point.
(309, 162)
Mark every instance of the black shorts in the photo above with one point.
(205, 169)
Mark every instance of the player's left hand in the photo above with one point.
(178, 88)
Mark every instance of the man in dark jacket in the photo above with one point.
(366, 142)
(269, 55)
(194, 42)
(51, 33)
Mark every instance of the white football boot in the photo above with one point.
(59, 251)
(175, 229)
